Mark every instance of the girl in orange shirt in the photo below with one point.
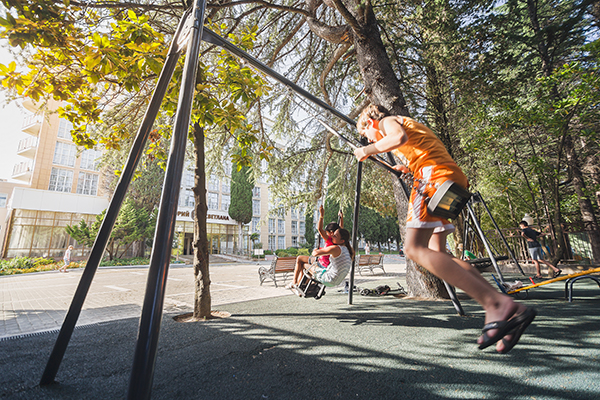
(425, 241)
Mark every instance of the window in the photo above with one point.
(280, 242)
(227, 168)
(255, 225)
(256, 191)
(187, 180)
(226, 186)
(225, 200)
(280, 212)
(255, 207)
(3, 199)
(280, 226)
(213, 201)
(271, 225)
(64, 129)
(64, 154)
(294, 241)
(87, 184)
(302, 227)
(294, 227)
(186, 198)
(294, 213)
(90, 159)
(213, 183)
(61, 180)
(272, 243)
(301, 212)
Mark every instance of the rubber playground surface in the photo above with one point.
(292, 348)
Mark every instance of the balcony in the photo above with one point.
(27, 147)
(32, 124)
(22, 171)
(31, 105)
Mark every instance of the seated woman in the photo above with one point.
(341, 255)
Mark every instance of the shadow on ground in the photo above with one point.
(291, 348)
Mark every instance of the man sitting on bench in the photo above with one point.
(341, 255)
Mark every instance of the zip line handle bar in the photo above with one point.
(211, 37)
(377, 160)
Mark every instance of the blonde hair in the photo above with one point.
(373, 111)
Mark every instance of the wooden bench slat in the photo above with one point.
(280, 265)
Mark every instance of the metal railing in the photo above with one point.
(22, 168)
(28, 143)
(31, 120)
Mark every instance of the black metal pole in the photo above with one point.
(484, 240)
(140, 383)
(355, 227)
(455, 301)
(112, 212)
(512, 254)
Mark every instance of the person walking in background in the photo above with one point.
(66, 259)
(367, 249)
(535, 250)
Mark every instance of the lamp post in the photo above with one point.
(179, 241)
(527, 218)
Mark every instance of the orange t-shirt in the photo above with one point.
(423, 147)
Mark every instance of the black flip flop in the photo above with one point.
(526, 317)
(506, 327)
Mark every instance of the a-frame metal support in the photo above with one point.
(112, 212)
(471, 217)
(190, 33)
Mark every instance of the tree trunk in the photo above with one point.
(202, 301)
(240, 237)
(423, 284)
(382, 87)
(588, 217)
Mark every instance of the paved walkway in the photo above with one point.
(283, 347)
(33, 303)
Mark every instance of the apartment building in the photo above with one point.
(59, 185)
(276, 228)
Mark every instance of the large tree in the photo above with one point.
(460, 66)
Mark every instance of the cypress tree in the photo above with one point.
(240, 208)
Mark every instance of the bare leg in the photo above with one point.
(497, 306)
(301, 261)
(537, 269)
(550, 265)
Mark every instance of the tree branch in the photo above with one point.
(354, 24)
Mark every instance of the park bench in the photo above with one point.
(370, 262)
(282, 266)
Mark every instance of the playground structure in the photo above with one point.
(569, 281)
(189, 35)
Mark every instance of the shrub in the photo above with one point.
(281, 253)
(268, 252)
(38, 262)
(125, 261)
(303, 252)
(292, 251)
(21, 263)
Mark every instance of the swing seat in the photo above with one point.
(309, 287)
(483, 263)
(448, 200)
